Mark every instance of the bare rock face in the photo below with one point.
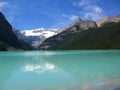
(76, 22)
(106, 19)
(79, 25)
(116, 19)
(87, 24)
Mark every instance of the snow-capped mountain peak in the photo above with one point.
(36, 36)
(41, 31)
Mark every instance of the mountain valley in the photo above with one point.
(81, 34)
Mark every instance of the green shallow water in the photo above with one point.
(60, 70)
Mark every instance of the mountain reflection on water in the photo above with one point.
(60, 70)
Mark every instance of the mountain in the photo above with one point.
(107, 19)
(81, 34)
(86, 35)
(8, 39)
(36, 36)
(80, 24)
(19, 35)
(76, 27)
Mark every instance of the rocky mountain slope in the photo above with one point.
(86, 35)
(81, 34)
(8, 40)
(77, 26)
(107, 19)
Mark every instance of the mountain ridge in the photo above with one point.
(36, 36)
(8, 39)
(52, 39)
(55, 42)
(107, 19)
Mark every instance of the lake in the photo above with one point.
(60, 70)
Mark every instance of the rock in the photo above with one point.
(116, 18)
(87, 24)
(52, 43)
(106, 19)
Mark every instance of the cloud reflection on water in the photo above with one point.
(84, 76)
(40, 68)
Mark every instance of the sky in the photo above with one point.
(32, 14)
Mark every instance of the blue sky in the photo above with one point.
(31, 14)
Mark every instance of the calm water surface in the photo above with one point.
(60, 70)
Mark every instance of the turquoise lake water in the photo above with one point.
(60, 70)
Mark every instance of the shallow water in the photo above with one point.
(60, 70)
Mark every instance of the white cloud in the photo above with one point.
(65, 20)
(90, 9)
(81, 3)
(70, 17)
(93, 8)
(40, 68)
(94, 12)
(92, 15)
(98, 9)
(3, 4)
(73, 17)
(85, 2)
